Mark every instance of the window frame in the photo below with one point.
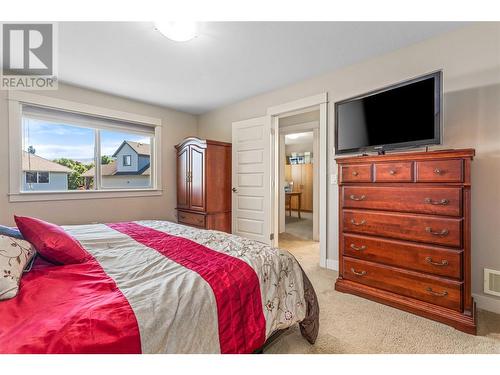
(16, 101)
(129, 158)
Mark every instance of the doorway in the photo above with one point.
(256, 173)
(298, 200)
(298, 173)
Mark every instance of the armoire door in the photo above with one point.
(288, 172)
(197, 178)
(307, 186)
(297, 183)
(302, 177)
(183, 178)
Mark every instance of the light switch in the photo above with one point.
(333, 179)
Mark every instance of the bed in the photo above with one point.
(159, 287)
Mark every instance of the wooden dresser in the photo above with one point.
(204, 184)
(404, 233)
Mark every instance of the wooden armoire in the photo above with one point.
(204, 184)
(302, 177)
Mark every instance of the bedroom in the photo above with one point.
(150, 176)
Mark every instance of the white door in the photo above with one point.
(251, 179)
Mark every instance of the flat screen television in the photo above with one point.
(404, 115)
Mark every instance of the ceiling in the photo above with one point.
(299, 138)
(227, 62)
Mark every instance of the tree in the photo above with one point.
(75, 179)
(106, 159)
(31, 150)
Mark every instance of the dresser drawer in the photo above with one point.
(189, 218)
(419, 228)
(393, 172)
(356, 173)
(446, 293)
(425, 200)
(440, 171)
(423, 258)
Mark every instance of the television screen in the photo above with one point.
(403, 115)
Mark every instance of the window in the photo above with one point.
(31, 177)
(126, 160)
(65, 151)
(43, 177)
(36, 178)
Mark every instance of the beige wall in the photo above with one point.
(470, 59)
(176, 125)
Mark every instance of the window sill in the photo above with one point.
(39, 196)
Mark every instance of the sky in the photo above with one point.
(54, 141)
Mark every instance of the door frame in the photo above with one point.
(273, 115)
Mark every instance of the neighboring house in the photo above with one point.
(40, 174)
(131, 167)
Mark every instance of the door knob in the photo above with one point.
(234, 190)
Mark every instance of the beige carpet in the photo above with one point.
(349, 324)
(301, 228)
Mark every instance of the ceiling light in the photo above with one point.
(179, 31)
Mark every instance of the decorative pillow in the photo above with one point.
(15, 254)
(51, 241)
(11, 232)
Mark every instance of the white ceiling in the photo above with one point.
(227, 62)
(299, 138)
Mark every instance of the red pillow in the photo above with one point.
(51, 241)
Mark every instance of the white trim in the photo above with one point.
(41, 196)
(273, 116)
(332, 264)
(487, 303)
(316, 204)
(323, 183)
(299, 112)
(66, 105)
(15, 101)
(281, 191)
(305, 126)
(299, 104)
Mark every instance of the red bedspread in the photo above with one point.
(80, 309)
(68, 309)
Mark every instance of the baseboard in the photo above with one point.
(488, 303)
(332, 264)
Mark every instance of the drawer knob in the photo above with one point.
(438, 171)
(355, 173)
(442, 233)
(442, 202)
(429, 260)
(353, 222)
(355, 198)
(392, 172)
(444, 293)
(358, 248)
(362, 273)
